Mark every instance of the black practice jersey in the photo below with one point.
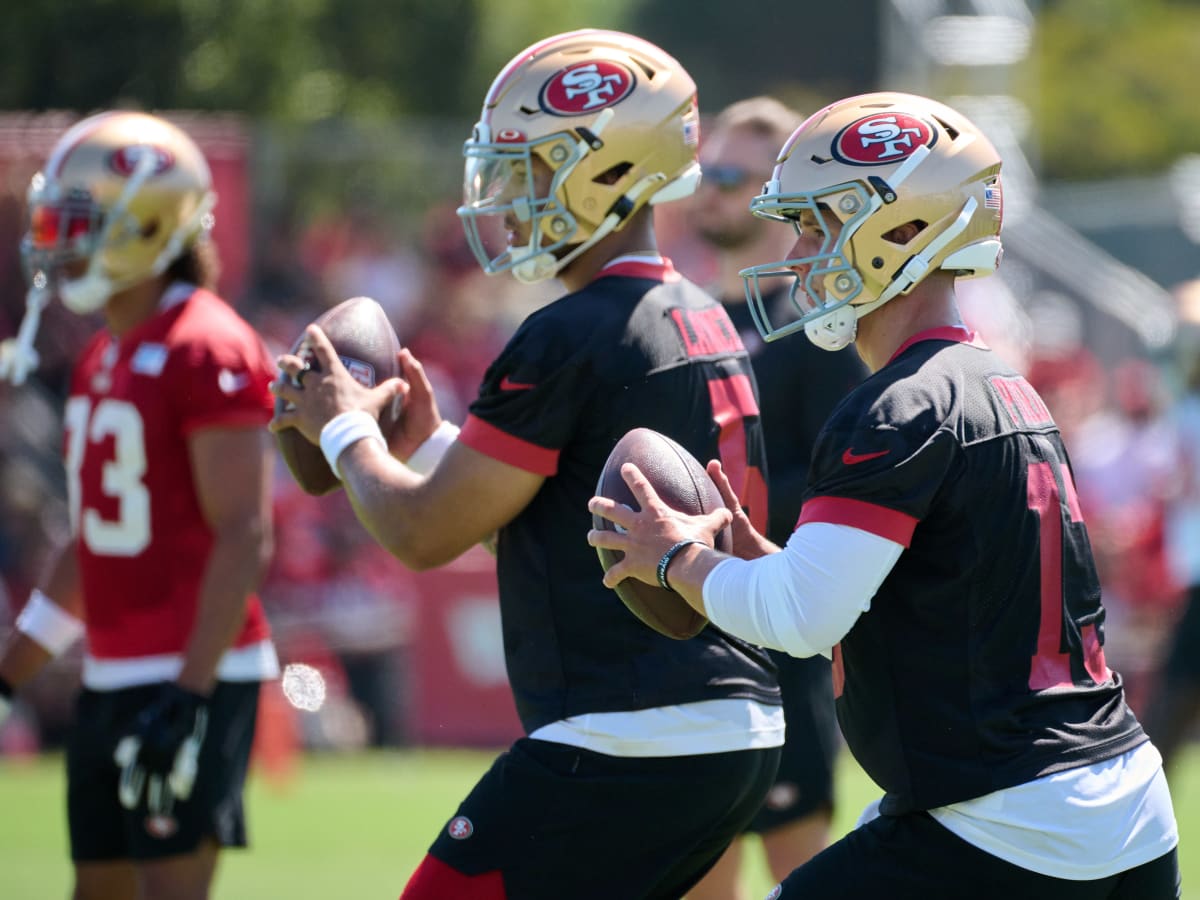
(798, 386)
(980, 664)
(637, 347)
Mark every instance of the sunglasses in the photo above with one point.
(724, 177)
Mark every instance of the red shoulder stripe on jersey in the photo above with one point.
(656, 271)
(491, 441)
(436, 880)
(946, 333)
(879, 520)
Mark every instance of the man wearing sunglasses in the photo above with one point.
(737, 155)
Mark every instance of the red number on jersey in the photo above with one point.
(1051, 667)
(732, 401)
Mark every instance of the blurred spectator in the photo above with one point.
(1061, 367)
(364, 257)
(280, 279)
(1125, 468)
(990, 308)
(1176, 705)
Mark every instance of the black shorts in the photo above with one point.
(101, 829)
(556, 821)
(804, 784)
(913, 856)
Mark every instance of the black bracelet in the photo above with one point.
(666, 561)
(6, 689)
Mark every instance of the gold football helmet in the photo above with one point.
(865, 166)
(614, 119)
(126, 193)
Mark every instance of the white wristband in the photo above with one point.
(345, 429)
(49, 624)
(426, 457)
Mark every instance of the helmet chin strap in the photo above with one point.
(541, 266)
(914, 270)
(547, 265)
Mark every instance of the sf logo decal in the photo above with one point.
(586, 88)
(881, 139)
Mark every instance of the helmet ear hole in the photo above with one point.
(903, 234)
(613, 174)
(150, 229)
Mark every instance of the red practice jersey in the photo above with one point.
(140, 536)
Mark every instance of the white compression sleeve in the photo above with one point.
(426, 457)
(805, 598)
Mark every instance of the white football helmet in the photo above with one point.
(875, 162)
(125, 192)
(615, 120)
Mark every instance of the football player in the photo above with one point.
(737, 155)
(940, 560)
(643, 756)
(168, 468)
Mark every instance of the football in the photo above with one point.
(367, 345)
(683, 484)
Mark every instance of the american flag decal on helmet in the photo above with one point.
(992, 197)
(691, 126)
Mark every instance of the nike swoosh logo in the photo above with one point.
(507, 384)
(850, 458)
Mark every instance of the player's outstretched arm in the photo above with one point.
(424, 518)
(426, 521)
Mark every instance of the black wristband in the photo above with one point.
(6, 689)
(666, 561)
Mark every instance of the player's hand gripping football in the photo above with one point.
(318, 393)
(420, 417)
(161, 754)
(747, 542)
(646, 534)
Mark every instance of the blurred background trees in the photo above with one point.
(1108, 84)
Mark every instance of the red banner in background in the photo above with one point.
(458, 693)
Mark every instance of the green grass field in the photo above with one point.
(354, 826)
